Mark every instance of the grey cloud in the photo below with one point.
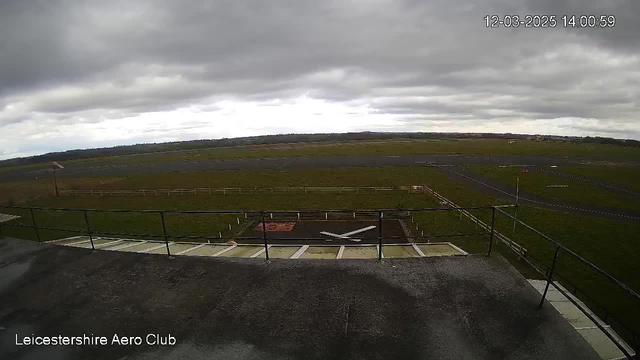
(85, 61)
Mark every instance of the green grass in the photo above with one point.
(390, 147)
(381, 176)
(625, 176)
(578, 192)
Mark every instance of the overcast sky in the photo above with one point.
(78, 74)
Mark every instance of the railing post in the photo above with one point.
(264, 236)
(493, 224)
(550, 277)
(35, 226)
(86, 221)
(379, 235)
(164, 231)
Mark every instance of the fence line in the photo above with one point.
(241, 190)
(505, 240)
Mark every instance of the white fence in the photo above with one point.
(513, 245)
(242, 190)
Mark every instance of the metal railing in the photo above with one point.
(263, 215)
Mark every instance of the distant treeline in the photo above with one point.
(287, 138)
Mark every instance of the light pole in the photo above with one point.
(54, 166)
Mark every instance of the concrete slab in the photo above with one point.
(320, 252)
(573, 315)
(360, 252)
(438, 250)
(71, 240)
(96, 242)
(242, 251)
(173, 248)
(141, 247)
(282, 252)
(601, 343)
(399, 251)
(123, 243)
(208, 250)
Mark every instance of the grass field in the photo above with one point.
(390, 147)
(536, 183)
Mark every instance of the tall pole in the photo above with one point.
(55, 181)
(515, 214)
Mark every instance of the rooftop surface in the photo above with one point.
(471, 307)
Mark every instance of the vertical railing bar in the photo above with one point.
(164, 231)
(493, 224)
(264, 236)
(86, 221)
(35, 226)
(550, 276)
(379, 235)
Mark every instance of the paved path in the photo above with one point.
(423, 308)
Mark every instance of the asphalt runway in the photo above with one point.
(308, 162)
(392, 232)
(500, 190)
(454, 307)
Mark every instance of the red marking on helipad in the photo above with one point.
(276, 226)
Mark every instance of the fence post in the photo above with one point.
(493, 223)
(550, 277)
(86, 221)
(1, 234)
(264, 236)
(35, 227)
(164, 232)
(379, 235)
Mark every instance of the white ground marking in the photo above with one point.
(190, 249)
(109, 243)
(346, 235)
(417, 249)
(77, 242)
(260, 252)
(457, 248)
(69, 238)
(225, 250)
(299, 253)
(129, 245)
(154, 248)
(340, 252)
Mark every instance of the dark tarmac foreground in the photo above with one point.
(422, 308)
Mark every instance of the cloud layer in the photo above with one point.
(97, 73)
